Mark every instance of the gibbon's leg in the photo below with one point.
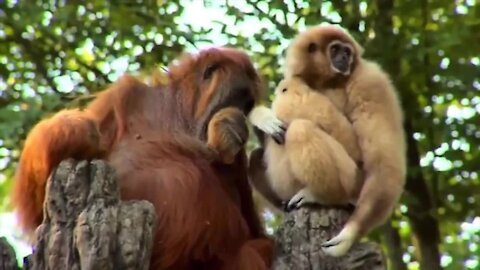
(362, 218)
(258, 177)
(321, 164)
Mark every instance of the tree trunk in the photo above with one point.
(86, 226)
(420, 205)
(8, 260)
(299, 237)
(394, 246)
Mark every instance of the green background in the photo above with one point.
(55, 55)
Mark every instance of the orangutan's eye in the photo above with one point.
(207, 74)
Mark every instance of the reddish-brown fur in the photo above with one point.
(167, 144)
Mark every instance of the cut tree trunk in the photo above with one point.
(299, 237)
(86, 226)
(8, 261)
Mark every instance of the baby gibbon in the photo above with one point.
(326, 58)
(317, 162)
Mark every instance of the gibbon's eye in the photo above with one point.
(347, 52)
(334, 49)
(207, 74)
(284, 90)
(312, 47)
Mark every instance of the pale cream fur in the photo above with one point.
(374, 110)
(320, 147)
(369, 101)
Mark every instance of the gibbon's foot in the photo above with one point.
(303, 197)
(340, 244)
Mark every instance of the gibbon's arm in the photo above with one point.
(323, 112)
(378, 123)
(377, 111)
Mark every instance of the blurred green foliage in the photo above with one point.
(55, 54)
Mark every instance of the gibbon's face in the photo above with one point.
(334, 54)
(322, 53)
(340, 55)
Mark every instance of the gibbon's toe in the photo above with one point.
(340, 244)
(291, 204)
(336, 249)
(302, 197)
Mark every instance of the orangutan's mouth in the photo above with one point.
(240, 98)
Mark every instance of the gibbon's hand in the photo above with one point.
(227, 133)
(279, 137)
(264, 119)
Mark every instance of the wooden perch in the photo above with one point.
(299, 237)
(86, 226)
(8, 261)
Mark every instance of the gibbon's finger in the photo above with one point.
(279, 137)
(264, 119)
(273, 127)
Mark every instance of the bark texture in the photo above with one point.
(299, 237)
(86, 226)
(8, 260)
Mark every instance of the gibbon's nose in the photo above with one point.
(342, 65)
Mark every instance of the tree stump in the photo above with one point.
(299, 237)
(86, 226)
(8, 261)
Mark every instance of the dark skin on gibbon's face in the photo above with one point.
(179, 145)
